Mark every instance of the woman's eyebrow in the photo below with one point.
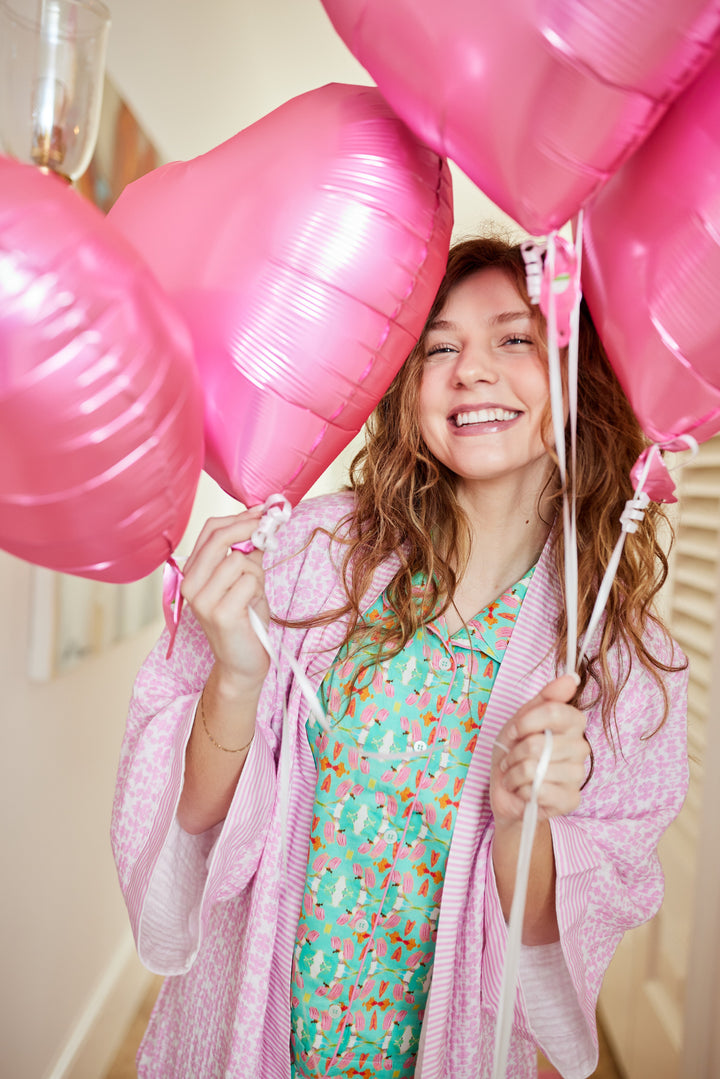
(441, 324)
(499, 319)
(510, 316)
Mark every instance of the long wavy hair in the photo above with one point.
(406, 506)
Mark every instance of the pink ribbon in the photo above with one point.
(652, 475)
(172, 600)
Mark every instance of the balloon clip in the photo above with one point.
(634, 512)
(561, 279)
(532, 253)
(276, 512)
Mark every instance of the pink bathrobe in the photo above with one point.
(218, 913)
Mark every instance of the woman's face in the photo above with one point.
(484, 388)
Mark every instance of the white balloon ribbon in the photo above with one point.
(508, 985)
(648, 465)
(546, 282)
(554, 284)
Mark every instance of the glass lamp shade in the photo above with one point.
(52, 67)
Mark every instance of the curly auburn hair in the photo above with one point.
(406, 504)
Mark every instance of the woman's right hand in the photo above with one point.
(220, 585)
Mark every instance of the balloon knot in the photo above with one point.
(634, 512)
(277, 512)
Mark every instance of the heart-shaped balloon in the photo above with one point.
(652, 268)
(304, 253)
(539, 103)
(100, 404)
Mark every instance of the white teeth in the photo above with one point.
(484, 415)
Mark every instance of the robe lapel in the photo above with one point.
(528, 665)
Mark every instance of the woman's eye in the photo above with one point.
(439, 350)
(518, 339)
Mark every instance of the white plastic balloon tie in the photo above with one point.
(276, 512)
(634, 512)
(532, 253)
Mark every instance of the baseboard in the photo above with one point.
(92, 1046)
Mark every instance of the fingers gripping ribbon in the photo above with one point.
(276, 512)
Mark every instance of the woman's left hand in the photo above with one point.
(518, 748)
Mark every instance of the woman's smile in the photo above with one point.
(482, 419)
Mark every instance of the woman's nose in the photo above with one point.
(475, 365)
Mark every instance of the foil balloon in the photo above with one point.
(100, 405)
(651, 271)
(539, 103)
(304, 253)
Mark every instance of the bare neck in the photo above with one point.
(506, 540)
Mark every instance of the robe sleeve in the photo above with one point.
(608, 876)
(173, 882)
(171, 879)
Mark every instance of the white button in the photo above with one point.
(362, 926)
(420, 747)
(391, 835)
(445, 663)
(335, 1011)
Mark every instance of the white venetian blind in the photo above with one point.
(694, 622)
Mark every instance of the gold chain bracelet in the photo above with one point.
(207, 732)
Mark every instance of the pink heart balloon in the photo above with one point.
(539, 103)
(304, 253)
(652, 268)
(100, 404)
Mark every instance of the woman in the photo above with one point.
(425, 604)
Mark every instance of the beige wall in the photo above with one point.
(194, 74)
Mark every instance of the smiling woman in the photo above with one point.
(305, 918)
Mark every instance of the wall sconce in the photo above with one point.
(52, 65)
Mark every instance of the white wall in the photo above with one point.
(194, 74)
